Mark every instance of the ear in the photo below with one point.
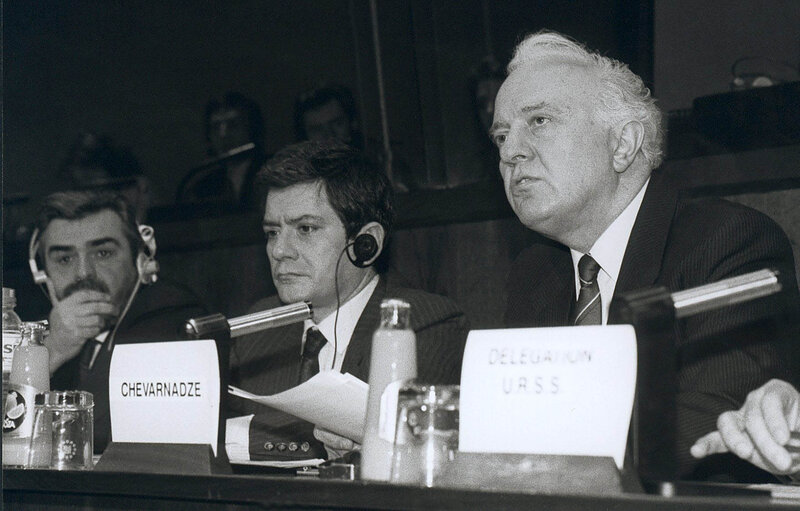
(379, 233)
(629, 144)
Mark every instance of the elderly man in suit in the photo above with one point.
(327, 217)
(579, 138)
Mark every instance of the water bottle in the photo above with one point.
(30, 374)
(393, 359)
(12, 331)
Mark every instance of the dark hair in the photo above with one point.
(321, 96)
(78, 204)
(245, 105)
(357, 191)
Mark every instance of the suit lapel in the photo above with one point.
(554, 290)
(644, 254)
(356, 360)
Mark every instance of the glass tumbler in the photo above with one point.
(63, 431)
(426, 436)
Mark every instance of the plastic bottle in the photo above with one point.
(30, 374)
(12, 331)
(393, 359)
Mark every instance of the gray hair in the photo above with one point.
(623, 95)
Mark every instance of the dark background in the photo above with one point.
(141, 72)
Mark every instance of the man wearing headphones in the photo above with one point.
(99, 270)
(327, 217)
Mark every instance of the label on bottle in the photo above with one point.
(18, 410)
(10, 341)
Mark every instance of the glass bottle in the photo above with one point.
(30, 374)
(12, 330)
(393, 359)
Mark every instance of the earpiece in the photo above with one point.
(39, 276)
(146, 264)
(365, 247)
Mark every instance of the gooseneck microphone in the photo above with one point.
(197, 328)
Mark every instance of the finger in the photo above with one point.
(95, 309)
(87, 295)
(731, 428)
(764, 444)
(332, 439)
(772, 407)
(708, 444)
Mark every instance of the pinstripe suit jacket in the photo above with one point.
(269, 362)
(680, 244)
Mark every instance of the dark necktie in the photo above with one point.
(309, 360)
(88, 352)
(588, 310)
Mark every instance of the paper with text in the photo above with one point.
(566, 390)
(331, 400)
(165, 392)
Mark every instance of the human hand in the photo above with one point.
(81, 315)
(765, 431)
(336, 445)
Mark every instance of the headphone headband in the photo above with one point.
(146, 264)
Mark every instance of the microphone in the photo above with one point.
(198, 328)
(653, 311)
(728, 291)
(228, 155)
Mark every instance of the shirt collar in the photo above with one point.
(609, 249)
(349, 314)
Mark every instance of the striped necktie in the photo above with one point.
(587, 310)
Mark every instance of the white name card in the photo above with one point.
(566, 390)
(165, 392)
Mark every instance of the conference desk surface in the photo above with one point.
(48, 489)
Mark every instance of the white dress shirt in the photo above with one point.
(608, 251)
(349, 314)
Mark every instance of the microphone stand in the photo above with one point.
(222, 330)
(653, 312)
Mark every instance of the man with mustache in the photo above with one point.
(322, 197)
(580, 140)
(88, 244)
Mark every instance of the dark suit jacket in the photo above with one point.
(157, 314)
(681, 244)
(268, 362)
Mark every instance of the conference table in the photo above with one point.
(53, 490)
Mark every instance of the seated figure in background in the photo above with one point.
(329, 113)
(320, 197)
(95, 162)
(99, 269)
(764, 431)
(234, 130)
(580, 139)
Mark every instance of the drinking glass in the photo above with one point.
(426, 436)
(63, 431)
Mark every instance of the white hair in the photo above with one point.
(623, 95)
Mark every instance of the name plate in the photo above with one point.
(566, 390)
(165, 392)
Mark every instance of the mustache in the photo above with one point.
(88, 284)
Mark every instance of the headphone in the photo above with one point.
(146, 264)
(365, 246)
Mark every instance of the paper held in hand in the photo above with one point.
(566, 390)
(330, 400)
